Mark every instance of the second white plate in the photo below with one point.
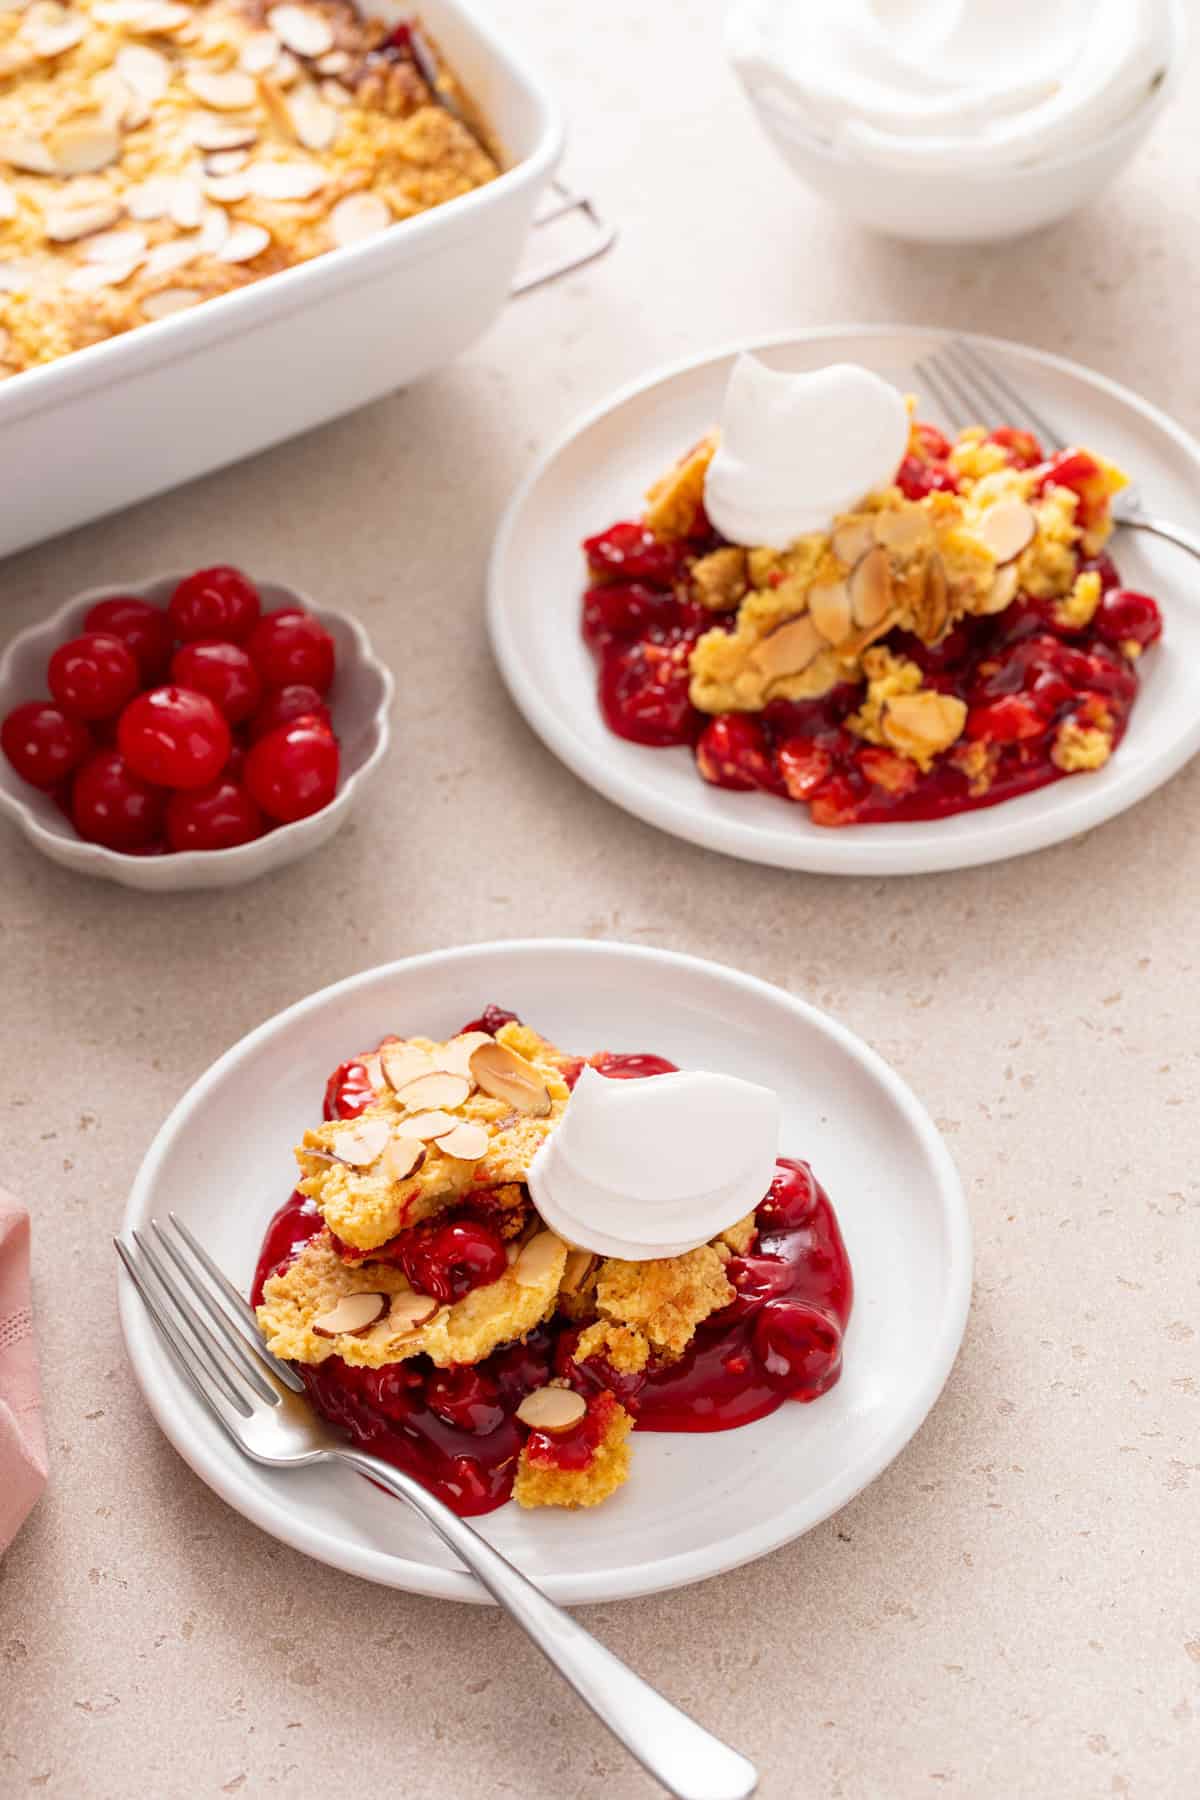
(599, 473)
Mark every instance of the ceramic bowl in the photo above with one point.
(360, 701)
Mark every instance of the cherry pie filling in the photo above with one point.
(1022, 673)
(455, 1428)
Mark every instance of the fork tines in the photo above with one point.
(971, 391)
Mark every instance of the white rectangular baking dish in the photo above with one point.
(126, 418)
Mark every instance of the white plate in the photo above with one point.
(599, 472)
(695, 1505)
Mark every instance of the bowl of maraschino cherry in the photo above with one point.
(188, 731)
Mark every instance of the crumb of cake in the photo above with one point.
(543, 1479)
(977, 761)
(676, 500)
(902, 714)
(1077, 609)
(625, 1349)
(1078, 747)
(664, 1300)
(719, 579)
(740, 1235)
(465, 1332)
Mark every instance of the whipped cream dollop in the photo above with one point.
(954, 83)
(652, 1168)
(796, 449)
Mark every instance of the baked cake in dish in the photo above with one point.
(435, 1318)
(959, 638)
(155, 153)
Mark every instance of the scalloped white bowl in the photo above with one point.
(361, 698)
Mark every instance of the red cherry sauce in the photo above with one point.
(454, 1429)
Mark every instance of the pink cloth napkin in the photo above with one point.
(22, 1438)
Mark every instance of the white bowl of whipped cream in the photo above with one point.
(957, 120)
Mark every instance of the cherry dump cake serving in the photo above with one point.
(949, 634)
(436, 1318)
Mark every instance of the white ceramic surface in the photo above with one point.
(304, 345)
(955, 205)
(598, 473)
(359, 702)
(695, 1505)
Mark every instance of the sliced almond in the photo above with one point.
(829, 609)
(871, 588)
(187, 205)
(306, 33)
(468, 1141)
(508, 1077)
(12, 278)
(116, 247)
(244, 243)
(336, 63)
(229, 90)
(852, 540)
(174, 254)
(361, 1144)
(402, 1157)
(28, 153)
(903, 530)
(788, 650)
(353, 1314)
(552, 1409)
(52, 31)
(150, 199)
(315, 124)
(334, 94)
(579, 1266)
(214, 135)
(259, 52)
(149, 16)
(929, 719)
(411, 1311)
(169, 300)
(226, 162)
(401, 1063)
(8, 201)
(435, 1090)
(144, 70)
(227, 190)
(84, 146)
(1008, 528)
(286, 180)
(935, 599)
(537, 1259)
(429, 1125)
(88, 278)
(455, 1058)
(80, 221)
(358, 216)
(1003, 589)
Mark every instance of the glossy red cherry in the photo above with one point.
(93, 676)
(146, 630)
(791, 1199)
(915, 478)
(463, 1396)
(219, 602)
(732, 752)
(803, 766)
(113, 806)
(1009, 720)
(43, 743)
(644, 691)
(284, 704)
(221, 670)
(1127, 617)
(631, 552)
(293, 771)
(290, 646)
(799, 1347)
(625, 609)
(449, 1260)
(1022, 447)
(174, 737)
(215, 817)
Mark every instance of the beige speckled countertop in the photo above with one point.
(1012, 1609)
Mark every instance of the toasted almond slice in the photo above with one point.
(402, 1157)
(214, 231)
(214, 135)
(411, 1311)
(1008, 528)
(552, 1409)
(579, 1266)
(372, 1070)
(537, 1258)
(244, 243)
(13, 6)
(53, 33)
(468, 1141)
(852, 540)
(400, 1063)
(149, 16)
(829, 609)
(334, 94)
(930, 719)
(8, 201)
(150, 199)
(871, 588)
(904, 530)
(229, 90)
(427, 1125)
(935, 600)
(169, 300)
(437, 1089)
(227, 190)
(84, 146)
(226, 162)
(455, 1058)
(508, 1077)
(80, 221)
(174, 254)
(12, 278)
(362, 1143)
(259, 52)
(187, 204)
(144, 70)
(788, 650)
(286, 180)
(315, 124)
(116, 247)
(89, 278)
(1003, 590)
(353, 1314)
(28, 153)
(336, 63)
(358, 216)
(304, 32)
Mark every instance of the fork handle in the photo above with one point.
(1174, 534)
(688, 1761)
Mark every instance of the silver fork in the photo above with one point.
(258, 1402)
(969, 389)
